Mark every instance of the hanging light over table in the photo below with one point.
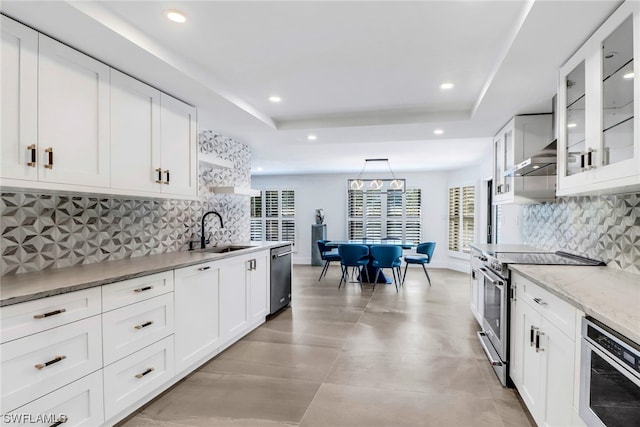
(377, 184)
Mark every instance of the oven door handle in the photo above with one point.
(498, 283)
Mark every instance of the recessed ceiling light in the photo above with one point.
(312, 137)
(438, 131)
(176, 16)
(571, 125)
(535, 167)
(446, 86)
(259, 169)
(275, 98)
(628, 75)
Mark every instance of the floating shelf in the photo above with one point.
(208, 159)
(235, 190)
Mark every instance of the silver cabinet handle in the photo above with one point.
(49, 314)
(284, 254)
(144, 325)
(538, 349)
(204, 268)
(61, 420)
(50, 362)
(142, 374)
(146, 288)
(540, 301)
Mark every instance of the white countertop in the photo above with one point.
(491, 247)
(606, 294)
(28, 286)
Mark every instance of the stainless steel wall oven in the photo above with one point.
(609, 377)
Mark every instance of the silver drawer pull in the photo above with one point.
(146, 288)
(204, 268)
(49, 314)
(539, 301)
(144, 325)
(142, 374)
(63, 419)
(50, 362)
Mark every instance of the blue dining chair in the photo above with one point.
(327, 255)
(387, 256)
(424, 254)
(355, 256)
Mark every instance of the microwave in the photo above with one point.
(609, 377)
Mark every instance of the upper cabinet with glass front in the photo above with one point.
(599, 104)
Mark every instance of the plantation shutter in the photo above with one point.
(454, 219)
(468, 210)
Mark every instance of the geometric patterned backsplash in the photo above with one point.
(45, 231)
(601, 227)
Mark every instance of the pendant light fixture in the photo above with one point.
(377, 184)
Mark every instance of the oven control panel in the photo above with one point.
(615, 347)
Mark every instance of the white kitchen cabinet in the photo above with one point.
(598, 99)
(131, 291)
(40, 363)
(135, 134)
(136, 377)
(258, 276)
(197, 327)
(179, 148)
(244, 295)
(77, 404)
(234, 298)
(31, 317)
(522, 137)
(73, 116)
(19, 69)
(128, 329)
(542, 355)
(477, 287)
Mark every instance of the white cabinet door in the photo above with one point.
(531, 381)
(19, 68)
(197, 326)
(135, 134)
(73, 116)
(179, 147)
(598, 110)
(259, 287)
(77, 404)
(558, 375)
(234, 310)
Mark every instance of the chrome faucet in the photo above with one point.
(203, 242)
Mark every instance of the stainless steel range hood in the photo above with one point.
(543, 163)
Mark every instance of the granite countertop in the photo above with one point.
(28, 286)
(606, 294)
(484, 247)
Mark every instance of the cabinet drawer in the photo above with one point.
(20, 320)
(38, 364)
(134, 290)
(132, 378)
(79, 403)
(558, 312)
(130, 328)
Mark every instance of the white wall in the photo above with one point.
(329, 192)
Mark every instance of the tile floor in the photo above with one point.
(350, 357)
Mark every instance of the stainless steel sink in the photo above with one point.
(224, 249)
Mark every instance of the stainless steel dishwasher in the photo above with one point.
(280, 277)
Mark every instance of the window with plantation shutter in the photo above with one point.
(454, 219)
(273, 216)
(461, 218)
(377, 215)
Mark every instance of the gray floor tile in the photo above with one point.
(350, 357)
